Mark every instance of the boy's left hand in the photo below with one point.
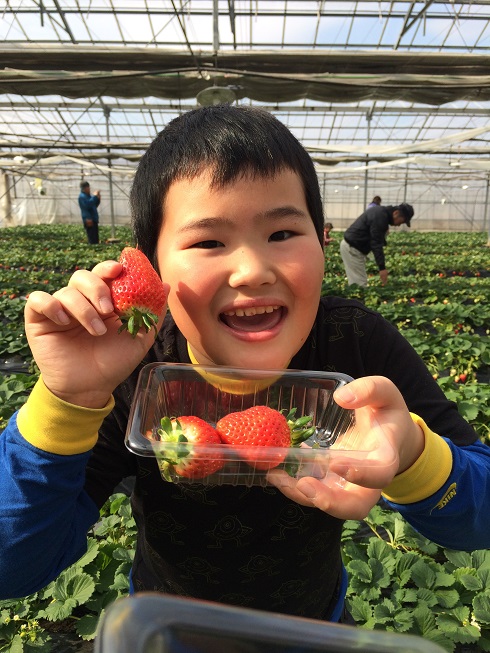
(350, 490)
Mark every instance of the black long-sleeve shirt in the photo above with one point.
(368, 232)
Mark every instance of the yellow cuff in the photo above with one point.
(53, 425)
(428, 473)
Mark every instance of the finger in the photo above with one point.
(41, 305)
(78, 307)
(94, 287)
(375, 391)
(333, 494)
(337, 497)
(375, 473)
(107, 269)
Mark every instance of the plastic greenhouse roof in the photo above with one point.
(395, 81)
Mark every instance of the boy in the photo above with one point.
(226, 204)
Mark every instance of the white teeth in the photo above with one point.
(258, 310)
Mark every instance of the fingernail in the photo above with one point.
(106, 305)
(98, 326)
(345, 394)
(62, 318)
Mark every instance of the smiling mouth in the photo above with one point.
(253, 319)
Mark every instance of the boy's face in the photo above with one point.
(245, 268)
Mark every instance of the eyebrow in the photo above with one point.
(272, 214)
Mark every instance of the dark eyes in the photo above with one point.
(278, 236)
(208, 244)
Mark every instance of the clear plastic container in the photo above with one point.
(211, 393)
(157, 623)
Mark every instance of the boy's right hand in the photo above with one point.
(73, 336)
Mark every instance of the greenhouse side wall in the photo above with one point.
(441, 204)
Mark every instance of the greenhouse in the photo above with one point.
(216, 435)
(390, 99)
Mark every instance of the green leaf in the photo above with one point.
(427, 596)
(360, 610)
(481, 559)
(86, 626)
(443, 579)
(468, 411)
(481, 607)
(423, 575)
(91, 553)
(74, 584)
(361, 570)
(471, 582)
(403, 621)
(447, 598)
(123, 554)
(16, 645)
(59, 610)
(484, 641)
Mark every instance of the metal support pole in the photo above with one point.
(107, 113)
(366, 174)
(485, 210)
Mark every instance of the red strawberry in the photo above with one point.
(263, 427)
(138, 294)
(188, 456)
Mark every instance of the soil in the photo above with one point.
(70, 643)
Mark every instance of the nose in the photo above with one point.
(250, 267)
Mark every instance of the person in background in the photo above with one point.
(326, 233)
(226, 204)
(88, 206)
(368, 234)
(376, 201)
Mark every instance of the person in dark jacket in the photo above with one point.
(90, 216)
(368, 234)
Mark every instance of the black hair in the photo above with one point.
(84, 184)
(228, 140)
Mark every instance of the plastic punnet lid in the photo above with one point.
(157, 623)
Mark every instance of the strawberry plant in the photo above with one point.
(81, 593)
(402, 582)
(437, 295)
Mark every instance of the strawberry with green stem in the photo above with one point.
(188, 454)
(263, 435)
(138, 294)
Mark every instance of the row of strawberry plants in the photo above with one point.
(398, 580)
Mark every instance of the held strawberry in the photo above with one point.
(188, 454)
(262, 435)
(137, 293)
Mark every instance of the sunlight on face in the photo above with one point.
(245, 268)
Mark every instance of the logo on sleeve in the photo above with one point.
(450, 493)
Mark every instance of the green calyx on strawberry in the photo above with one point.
(187, 454)
(263, 435)
(138, 294)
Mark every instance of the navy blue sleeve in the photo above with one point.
(44, 514)
(458, 515)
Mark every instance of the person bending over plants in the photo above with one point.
(226, 205)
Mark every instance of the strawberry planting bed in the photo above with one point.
(437, 296)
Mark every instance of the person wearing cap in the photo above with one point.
(368, 234)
